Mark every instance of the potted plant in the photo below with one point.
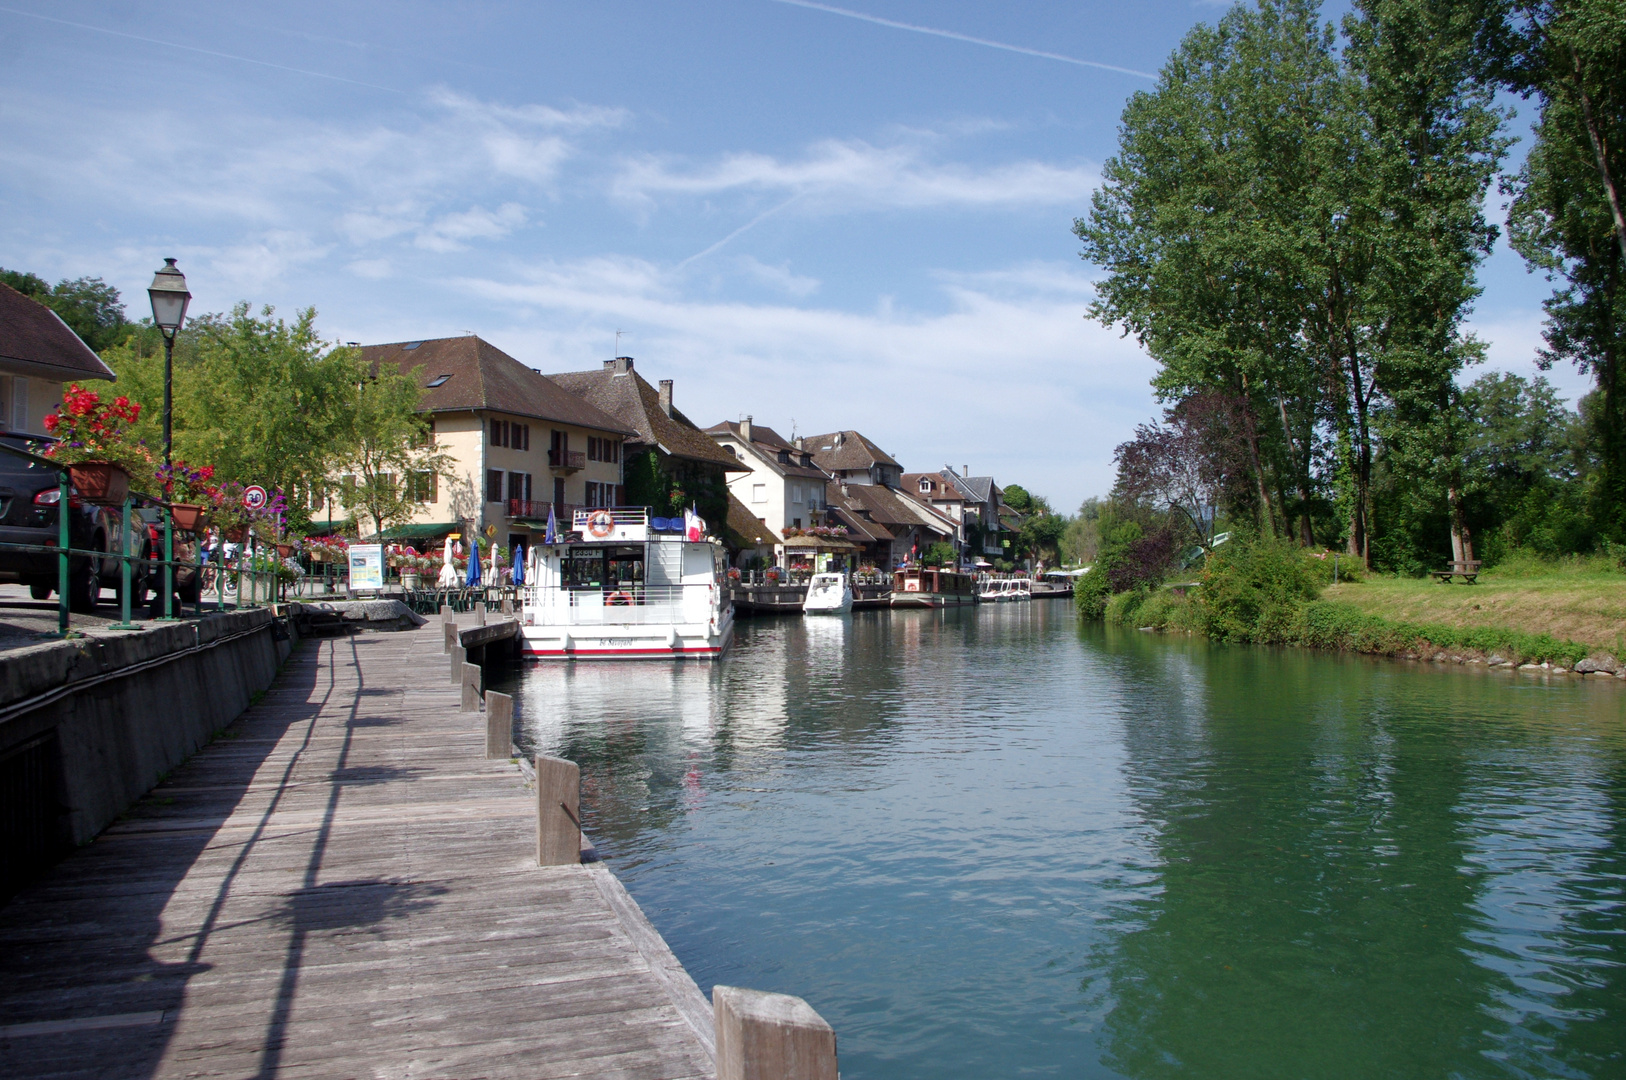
(94, 441)
(187, 488)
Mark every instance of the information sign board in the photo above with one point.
(366, 566)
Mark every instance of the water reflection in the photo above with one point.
(990, 842)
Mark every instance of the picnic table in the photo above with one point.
(1466, 569)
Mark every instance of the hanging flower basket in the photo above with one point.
(235, 533)
(188, 518)
(100, 482)
(284, 550)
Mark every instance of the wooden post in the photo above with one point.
(452, 641)
(508, 605)
(459, 656)
(499, 724)
(447, 614)
(471, 687)
(762, 1036)
(480, 609)
(558, 812)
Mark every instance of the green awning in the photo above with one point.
(419, 532)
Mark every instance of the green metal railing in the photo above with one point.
(260, 580)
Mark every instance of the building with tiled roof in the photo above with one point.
(850, 457)
(38, 353)
(783, 488)
(973, 503)
(521, 444)
(685, 458)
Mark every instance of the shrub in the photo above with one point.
(1253, 588)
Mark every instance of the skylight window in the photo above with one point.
(438, 380)
(411, 345)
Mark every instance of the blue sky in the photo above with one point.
(818, 219)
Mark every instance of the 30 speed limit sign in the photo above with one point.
(255, 497)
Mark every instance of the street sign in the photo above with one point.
(254, 497)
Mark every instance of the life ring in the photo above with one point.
(601, 524)
(618, 599)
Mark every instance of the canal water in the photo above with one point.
(997, 843)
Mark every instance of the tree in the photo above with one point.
(1567, 216)
(1187, 464)
(91, 307)
(393, 457)
(264, 400)
(1299, 229)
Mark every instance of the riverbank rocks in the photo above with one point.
(1598, 664)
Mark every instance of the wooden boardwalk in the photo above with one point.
(340, 886)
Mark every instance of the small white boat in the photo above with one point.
(828, 594)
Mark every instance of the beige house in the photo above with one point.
(783, 488)
(520, 444)
(38, 355)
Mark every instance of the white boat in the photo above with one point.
(1003, 590)
(828, 594)
(623, 586)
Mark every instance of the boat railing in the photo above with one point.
(619, 515)
(634, 604)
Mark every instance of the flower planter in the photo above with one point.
(100, 482)
(235, 533)
(187, 517)
(284, 550)
(410, 581)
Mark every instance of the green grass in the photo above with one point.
(1581, 600)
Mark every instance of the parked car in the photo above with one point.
(29, 495)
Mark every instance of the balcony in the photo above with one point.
(567, 461)
(528, 510)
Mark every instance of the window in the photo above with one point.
(615, 452)
(796, 522)
(524, 440)
(759, 493)
(519, 487)
(592, 496)
(925, 486)
(423, 487)
(592, 449)
(438, 380)
(796, 493)
(493, 485)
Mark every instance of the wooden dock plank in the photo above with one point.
(342, 885)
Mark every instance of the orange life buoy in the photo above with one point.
(618, 599)
(601, 524)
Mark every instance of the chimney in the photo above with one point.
(798, 441)
(841, 437)
(620, 365)
(666, 396)
(745, 430)
(965, 471)
(845, 494)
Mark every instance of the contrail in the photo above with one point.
(753, 223)
(964, 37)
(195, 49)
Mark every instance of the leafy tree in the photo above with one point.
(940, 553)
(1082, 539)
(1187, 464)
(1567, 217)
(1299, 228)
(1017, 498)
(91, 307)
(393, 456)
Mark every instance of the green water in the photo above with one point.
(995, 843)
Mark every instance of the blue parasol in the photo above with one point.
(519, 565)
(474, 566)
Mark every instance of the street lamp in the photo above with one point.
(169, 299)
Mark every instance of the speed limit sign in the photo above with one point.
(254, 497)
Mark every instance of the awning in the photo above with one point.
(420, 532)
(819, 543)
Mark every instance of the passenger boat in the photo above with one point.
(929, 586)
(828, 594)
(624, 586)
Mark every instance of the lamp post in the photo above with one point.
(169, 299)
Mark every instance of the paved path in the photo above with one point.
(340, 886)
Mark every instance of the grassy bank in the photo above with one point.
(1524, 612)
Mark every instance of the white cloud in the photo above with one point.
(778, 277)
(371, 269)
(1019, 384)
(449, 232)
(854, 173)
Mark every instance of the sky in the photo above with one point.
(824, 216)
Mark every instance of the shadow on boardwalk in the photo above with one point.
(339, 885)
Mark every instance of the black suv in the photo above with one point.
(28, 507)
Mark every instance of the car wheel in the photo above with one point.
(84, 588)
(40, 590)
